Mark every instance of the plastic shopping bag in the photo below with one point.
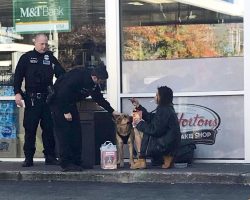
(108, 156)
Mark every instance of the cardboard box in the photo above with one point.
(8, 148)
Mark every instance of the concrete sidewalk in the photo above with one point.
(196, 173)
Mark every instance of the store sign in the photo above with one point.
(33, 16)
(197, 123)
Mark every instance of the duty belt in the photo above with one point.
(37, 95)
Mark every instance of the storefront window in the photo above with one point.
(184, 45)
(76, 32)
(197, 52)
(209, 122)
(182, 41)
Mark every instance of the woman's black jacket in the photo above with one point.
(164, 126)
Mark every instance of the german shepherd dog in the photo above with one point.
(124, 135)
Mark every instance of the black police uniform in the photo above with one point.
(37, 69)
(73, 86)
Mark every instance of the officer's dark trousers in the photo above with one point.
(39, 112)
(68, 134)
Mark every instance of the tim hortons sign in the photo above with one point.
(198, 123)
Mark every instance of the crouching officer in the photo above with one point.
(37, 67)
(70, 88)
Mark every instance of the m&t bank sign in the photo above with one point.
(33, 16)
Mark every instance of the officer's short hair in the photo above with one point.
(100, 71)
(38, 35)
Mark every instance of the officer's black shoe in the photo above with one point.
(27, 163)
(51, 160)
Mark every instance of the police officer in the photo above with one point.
(37, 67)
(74, 86)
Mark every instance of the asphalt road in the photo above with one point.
(14, 190)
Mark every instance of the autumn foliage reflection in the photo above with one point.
(181, 41)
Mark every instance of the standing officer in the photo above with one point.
(73, 86)
(37, 67)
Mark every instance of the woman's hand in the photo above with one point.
(135, 102)
(137, 117)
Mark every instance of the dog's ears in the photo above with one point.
(116, 117)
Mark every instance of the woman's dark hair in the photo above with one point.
(166, 95)
(100, 71)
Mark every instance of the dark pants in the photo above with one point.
(68, 134)
(155, 159)
(144, 145)
(36, 112)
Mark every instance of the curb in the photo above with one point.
(128, 176)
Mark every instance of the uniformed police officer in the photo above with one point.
(37, 67)
(73, 86)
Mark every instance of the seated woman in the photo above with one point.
(162, 127)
